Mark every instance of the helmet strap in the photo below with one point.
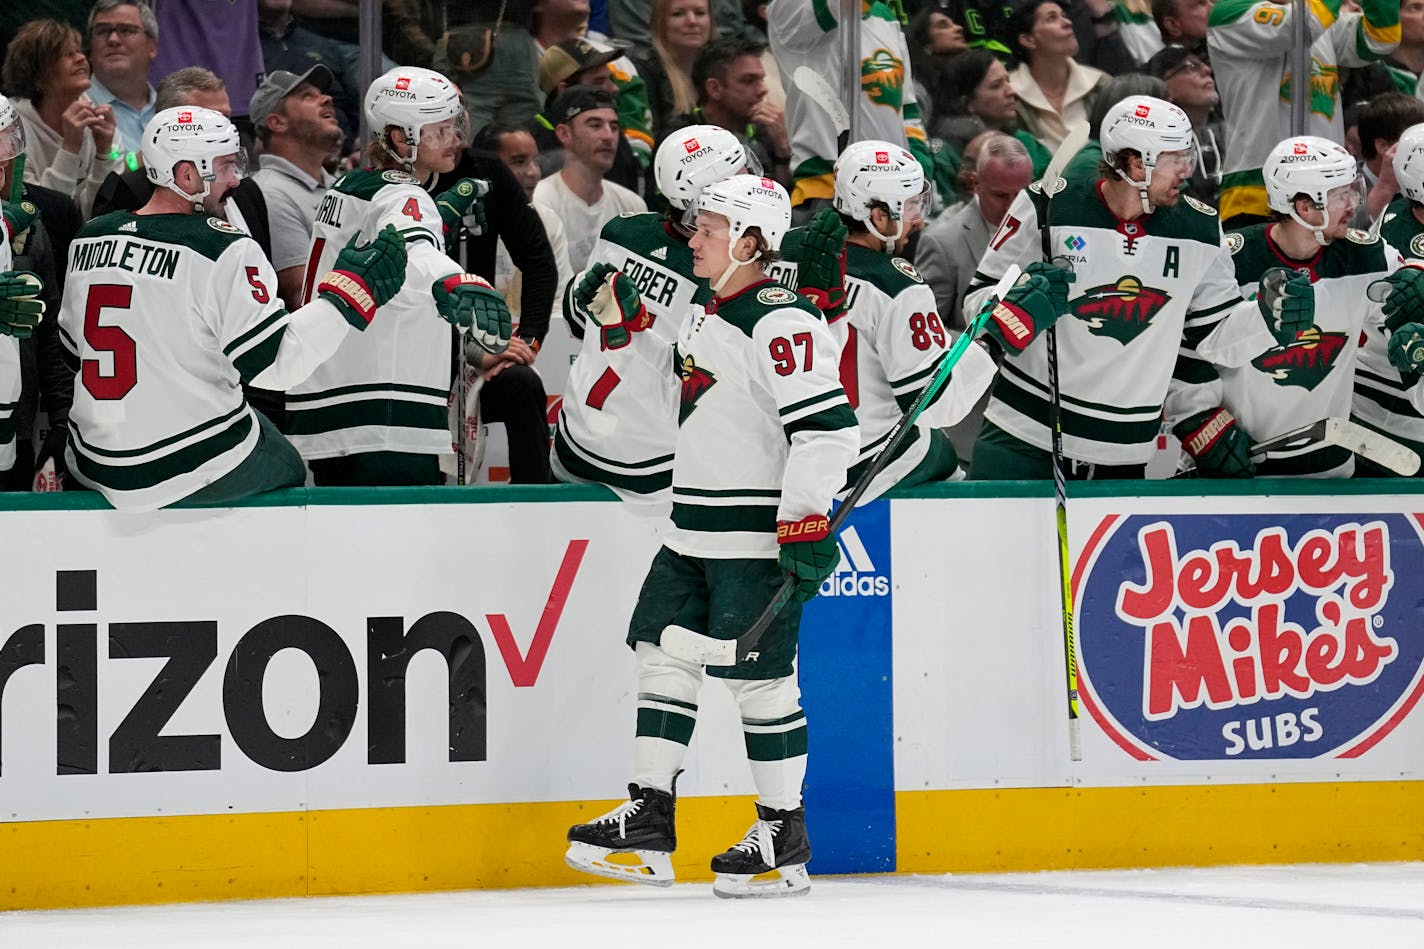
(732, 267)
(1316, 230)
(1141, 187)
(889, 240)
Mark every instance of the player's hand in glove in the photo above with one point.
(1222, 449)
(808, 552)
(469, 302)
(463, 204)
(21, 308)
(1286, 300)
(1405, 302)
(18, 217)
(617, 308)
(365, 276)
(1035, 301)
(1406, 350)
(820, 273)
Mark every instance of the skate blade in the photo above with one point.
(792, 880)
(653, 869)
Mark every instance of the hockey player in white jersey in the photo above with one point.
(20, 306)
(1290, 360)
(168, 308)
(765, 436)
(1152, 279)
(376, 413)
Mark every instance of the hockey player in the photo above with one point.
(167, 308)
(1153, 278)
(1290, 360)
(376, 412)
(20, 306)
(759, 385)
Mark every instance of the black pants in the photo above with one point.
(516, 398)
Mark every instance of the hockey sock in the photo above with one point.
(667, 714)
(774, 729)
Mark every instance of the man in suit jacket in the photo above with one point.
(950, 248)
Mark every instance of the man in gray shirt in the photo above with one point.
(296, 123)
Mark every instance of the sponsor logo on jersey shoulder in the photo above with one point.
(218, 224)
(776, 296)
(1203, 208)
(1120, 311)
(659, 253)
(398, 177)
(856, 574)
(1234, 242)
(1277, 636)
(129, 227)
(1360, 237)
(1416, 245)
(1306, 361)
(906, 268)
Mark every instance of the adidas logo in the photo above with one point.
(659, 254)
(130, 226)
(856, 574)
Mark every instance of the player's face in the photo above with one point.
(1343, 204)
(228, 172)
(710, 253)
(994, 101)
(1171, 172)
(520, 155)
(440, 145)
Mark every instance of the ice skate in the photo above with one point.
(642, 829)
(776, 842)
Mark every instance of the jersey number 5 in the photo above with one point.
(108, 339)
(785, 357)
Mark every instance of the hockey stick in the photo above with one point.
(1051, 184)
(685, 644)
(1358, 440)
(814, 87)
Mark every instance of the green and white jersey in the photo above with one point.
(618, 422)
(1250, 46)
(765, 433)
(1382, 399)
(168, 314)
(9, 370)
(1273, 389)
(1137, 28)
(386, 389)
(1146, 292)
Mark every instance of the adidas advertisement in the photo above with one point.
(856, 574)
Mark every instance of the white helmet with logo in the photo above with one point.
(1409, 163)
(873, 172)
(1150, 127)
(191, 134)
(12, 131)
(1314, 167)
(747, 201)
(692, 158)
(410, 98)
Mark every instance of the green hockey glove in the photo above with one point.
(21, 309)
(18, 217)
(365, 276)
(1406, 350)
(1286, 300)
(1405, 302)
(820, 273)
(808, 552)
(463, 204)
(587, 287)
(1222, 449)
(469, 302)
(618, 310)
(1033, 304)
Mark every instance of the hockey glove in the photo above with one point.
(470, 303)
(820, 273)
(618, 310)
(1405, 302)
(1220, 446)
(21, 309)
(463, 204)
(1406, 350)
(365, 276)
(1032, 305)
(18, 217)
(808, 552)
(1286, 300)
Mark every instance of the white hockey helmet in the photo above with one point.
(692, 158)
(1319, 169)
(410, 98)
(1409, 163)
(1151, 127)
(12, 131)
(747, 201)
(191, 134)
(872, 172)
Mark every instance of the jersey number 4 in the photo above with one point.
(123, 375)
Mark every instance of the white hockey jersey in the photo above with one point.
(765, 433)
(9, 370)
(168, 314)
(1146, 292)
(1273, 389)
(386, 389)
(1383, 400)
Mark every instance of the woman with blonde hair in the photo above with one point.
(72, 145)
(680, 29)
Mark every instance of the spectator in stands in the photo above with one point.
(289, 45)
(587, 127)
(516, 150)
(731, 93)
(1382, 121)
(680, 29)
(493, 59)
(1055, 93)
(1101, 43)
(934, 39)
(1191, 87)
(579, 61)
(123, 41)
(70, 141)
(628, 22)
(295, 120)
(1138, 30)
(222, 37)
(1182, 22)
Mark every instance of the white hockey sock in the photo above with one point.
(774, 728)
(667, 713)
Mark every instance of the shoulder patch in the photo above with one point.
(906, 268)
(398, 177)
(220, 225)
(1198, 205)
(776, 296)
(1036, 186)
(1416, 246)
(1361, 237)
(630, 213)
(1234, 242)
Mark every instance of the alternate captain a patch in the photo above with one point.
(696, 381)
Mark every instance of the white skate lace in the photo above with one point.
(620, 815)
(761, 839)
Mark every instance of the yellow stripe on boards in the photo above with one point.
(1015, 830)
(53, 864)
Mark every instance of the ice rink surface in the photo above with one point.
(1379, 906)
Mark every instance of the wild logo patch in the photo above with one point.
(906, 268)
(398, 177)
(776, 296)
(1416, 245)
(1120, 311)
(1306, 361)
(695, 383)
(882, 79)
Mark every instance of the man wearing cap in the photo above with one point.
(1191, 87)
(296, 122)
(586, 124)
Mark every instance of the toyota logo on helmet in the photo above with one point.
(403, 83)
(691, 145)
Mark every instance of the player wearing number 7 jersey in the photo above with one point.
(168, 308)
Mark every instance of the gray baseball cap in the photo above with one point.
(280, 84)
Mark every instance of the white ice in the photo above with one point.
(1379, 906)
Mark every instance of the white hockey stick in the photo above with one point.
(1343, 433)
(815, 87)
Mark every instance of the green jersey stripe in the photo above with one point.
(1077, 424)
(158, 446)
(757, 518)
(578, 466)
(259, 358)
(777, 746)
(368, 387)
(827, 420)
(773, 493)
(150, 473)
(1033, 386)
(815, 400)
(661, 461)
(391, 413)
(255, 332)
